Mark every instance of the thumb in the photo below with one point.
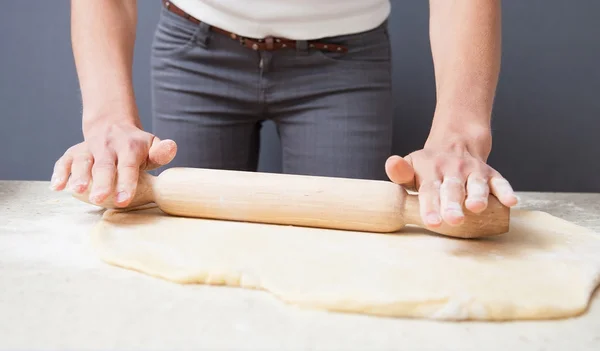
(161, 152)
(400, 170)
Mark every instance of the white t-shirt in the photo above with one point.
(291, 19)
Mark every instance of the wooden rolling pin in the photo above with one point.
(323, 202)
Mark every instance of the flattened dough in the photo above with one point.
(543, 268)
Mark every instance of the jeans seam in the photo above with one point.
(194, 40)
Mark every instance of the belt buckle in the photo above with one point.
(264, 44)
(269, 43)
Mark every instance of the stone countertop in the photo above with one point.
(56, 294)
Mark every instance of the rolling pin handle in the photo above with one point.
(143, 195)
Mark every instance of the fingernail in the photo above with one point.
(512, 197)
(96, 195)
(433, 218)
(76, 186)
(122, 196)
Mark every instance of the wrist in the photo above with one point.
(114, 104)
(92, 121)
(473, 135)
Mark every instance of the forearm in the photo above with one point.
(103, 37)
(465, 40)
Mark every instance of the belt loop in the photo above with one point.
(204, 29)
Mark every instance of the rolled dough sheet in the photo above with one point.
(544, 268)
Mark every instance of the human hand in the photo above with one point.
(112, 155)
(448, 172)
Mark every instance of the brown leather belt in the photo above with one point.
(267, 44)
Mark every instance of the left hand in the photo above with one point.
(448, 172)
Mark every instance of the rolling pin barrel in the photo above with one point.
(323, 202)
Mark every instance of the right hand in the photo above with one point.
(110, 159)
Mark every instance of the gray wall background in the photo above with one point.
(546, 120)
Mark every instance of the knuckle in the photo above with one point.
(463, 166)
(453, 186)
(87, 161)
(453, 180)
(134, 144)
(478, 177)
(429, 186)
(112, 130)
(75, 148)
(129, 167)
(61, 163)
(127, 183)
(84, 159)
(428, 201)
(452, 190)
(58, 169)
(71, 150)
(101, 142)
(104, 164)
(106, 143)
(483, 170)
(439, 163)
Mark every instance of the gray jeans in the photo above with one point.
(333, 111)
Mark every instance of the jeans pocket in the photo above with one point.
(370, 47)
(175, 35)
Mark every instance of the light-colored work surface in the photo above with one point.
(542, 268)
(56, 294)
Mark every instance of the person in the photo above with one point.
(321, 70)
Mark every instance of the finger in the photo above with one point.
(502, 189)
(128, 172)
(81, 172)
(61, 172)
(429, 203)
(452, 196)
(103, 176)
(477, 193)
(161, 153)
(400, 171)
